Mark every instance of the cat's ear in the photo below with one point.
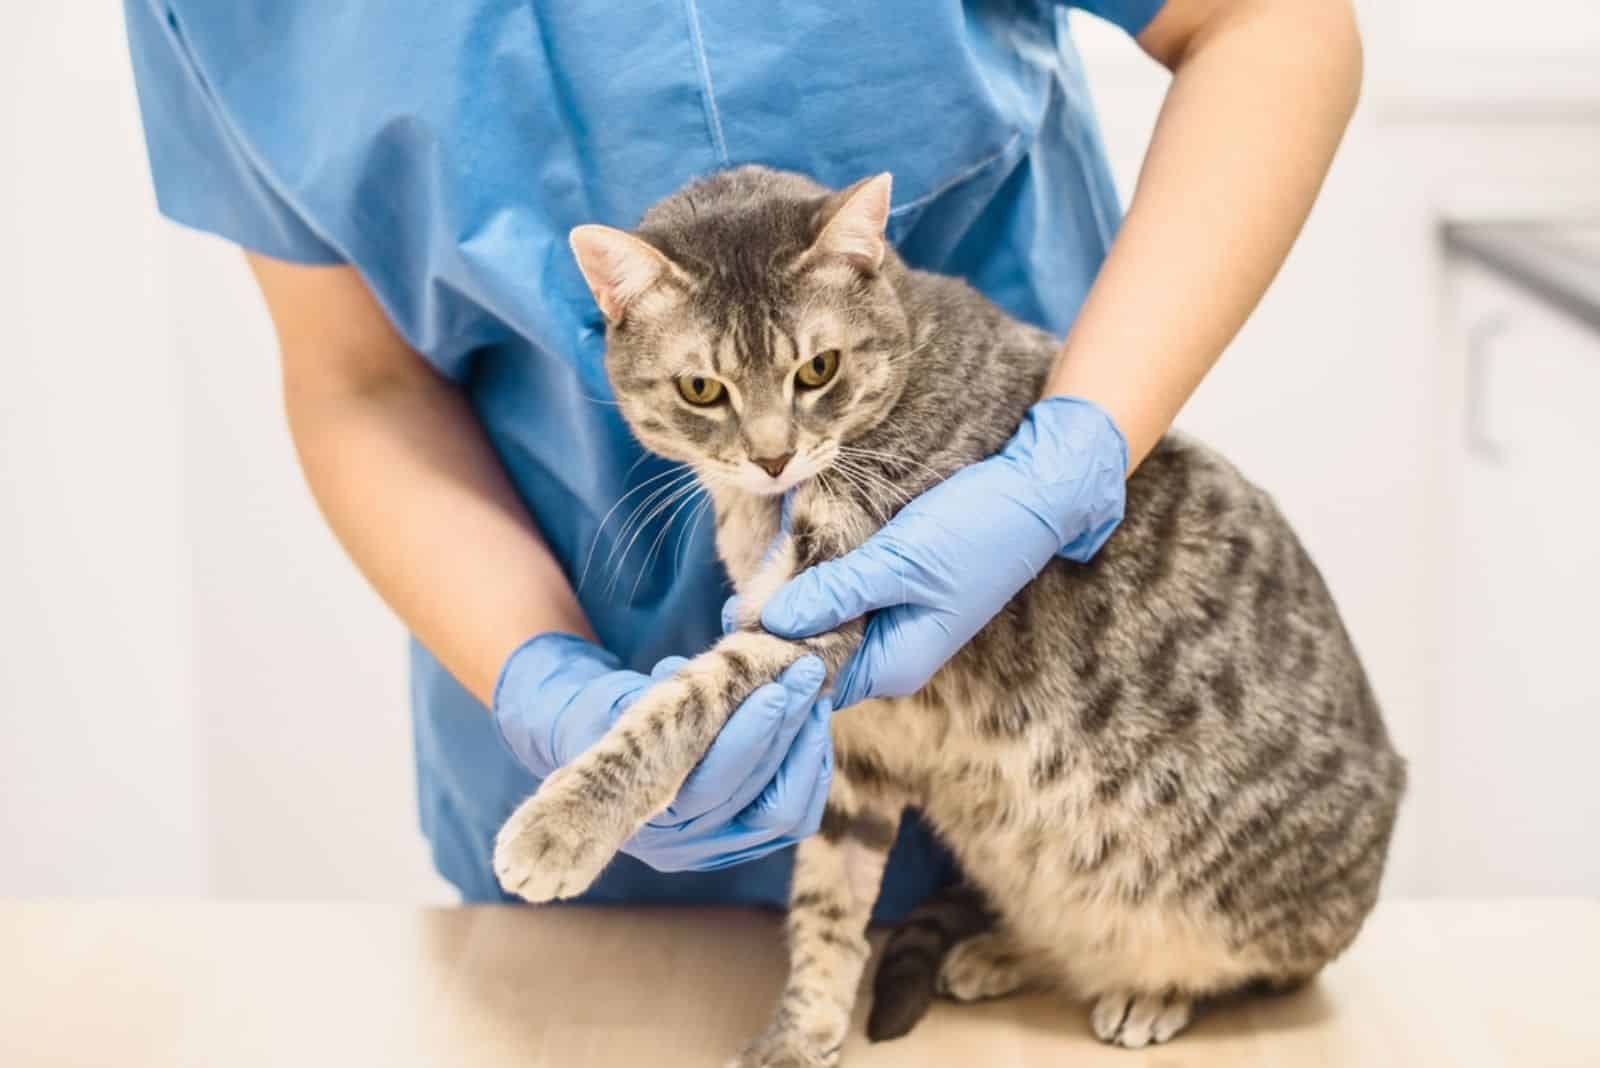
(618, 266)
(853, 223)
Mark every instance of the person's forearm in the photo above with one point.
(1263, 90)
(408, 482)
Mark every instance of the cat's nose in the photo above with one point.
(773, 465)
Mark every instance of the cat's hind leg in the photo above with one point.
(908, 972)
(837, 874)
(989, 965)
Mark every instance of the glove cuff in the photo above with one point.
(1078, 458)
(554, 666)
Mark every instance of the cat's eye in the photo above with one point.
(702, 392)
(819, 370)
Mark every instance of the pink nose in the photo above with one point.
(773, 465)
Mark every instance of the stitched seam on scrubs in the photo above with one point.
(1003, 151)
(708, 92)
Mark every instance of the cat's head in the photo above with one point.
(753, 324)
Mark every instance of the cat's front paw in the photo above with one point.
(554, 845)
(786, 1048)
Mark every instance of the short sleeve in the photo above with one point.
(1132, 15)
(204, 177)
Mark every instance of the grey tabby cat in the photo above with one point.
(1164, 771)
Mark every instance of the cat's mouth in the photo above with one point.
(766, 480)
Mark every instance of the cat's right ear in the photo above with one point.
(853, 224)
(618, 266)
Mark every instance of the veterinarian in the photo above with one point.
(402, 177)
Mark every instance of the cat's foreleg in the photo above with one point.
(557, 842)
(836, 879)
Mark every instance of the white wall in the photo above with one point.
(98, 763)
(298, 679)
(197, 693)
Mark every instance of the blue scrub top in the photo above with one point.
(445, 149)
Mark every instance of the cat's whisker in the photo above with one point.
(867, 495)
(712, 478)
(858, 475)
(693, 524)
(837, 495)
(622, 562)
(890, 459)
(655, 494)
(600, 530)
(826, 489)
(900, 493)
(648, 511)
(643, 456)
(667, 498)
(884, 504)
(688, 501)
(672, 473)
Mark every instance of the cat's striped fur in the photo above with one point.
(1163, 772)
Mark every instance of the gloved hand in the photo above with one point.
(760, 788)
(952, 557)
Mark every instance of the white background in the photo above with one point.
(198, 695)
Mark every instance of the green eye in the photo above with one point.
(702, 392)
(819, 370)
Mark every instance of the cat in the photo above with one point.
(1163, 773)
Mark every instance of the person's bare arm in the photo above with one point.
(406, 478)
(1262, 92)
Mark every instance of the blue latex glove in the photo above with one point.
(760, 788)
(952, 558)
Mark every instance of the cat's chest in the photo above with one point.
(748, 529)
(746, 526)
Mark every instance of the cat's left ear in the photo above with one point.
(853, 223)
(619, 267)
